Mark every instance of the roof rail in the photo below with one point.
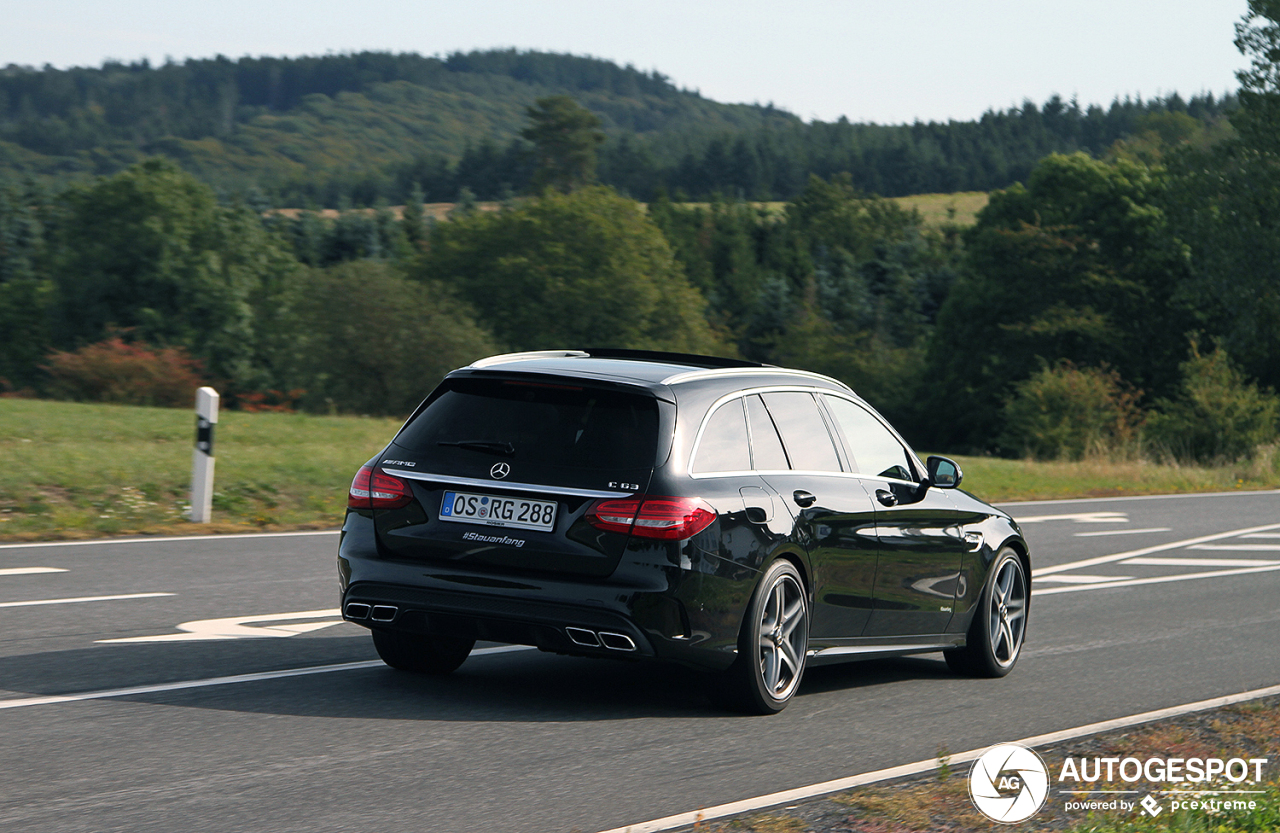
(691, 359)
(711, 373)
(503, 358)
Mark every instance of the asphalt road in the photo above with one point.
(521, 741)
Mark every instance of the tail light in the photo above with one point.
(664, 518)
(375, 489)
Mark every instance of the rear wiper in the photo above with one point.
(496, 446)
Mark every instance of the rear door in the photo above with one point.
(832, 509)
(503, 471)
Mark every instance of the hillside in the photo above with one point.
(368, 127)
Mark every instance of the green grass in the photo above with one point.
(72, 470)
(996, 479)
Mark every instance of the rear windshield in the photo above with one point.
(531, 422)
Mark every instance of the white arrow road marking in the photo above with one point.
(236, 627)
(80, 599)
(29, 571)
(1172, 545)
(1156, 580)
(1080, 518)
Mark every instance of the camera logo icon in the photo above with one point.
(1009, 783)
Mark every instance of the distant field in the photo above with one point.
(960, 208)
(70, 470)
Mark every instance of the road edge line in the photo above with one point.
(827, 787)
(1134, 497)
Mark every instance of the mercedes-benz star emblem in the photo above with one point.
(499, 471)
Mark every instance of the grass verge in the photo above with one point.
(940, 802)
(74, 470)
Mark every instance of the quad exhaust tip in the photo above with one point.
(603, 639)
(383, 613)
(357, 610)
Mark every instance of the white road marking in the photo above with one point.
(236, 627)
(1079, 517)
(1153, 580)
(80, 599)
(1122, 532)
(171, 538)
(1080, 578)
(29, 571)
(1262, 535)
(219, 681)
(694, 817)
(1238, 547)
(1172, 545)
(1200, 562)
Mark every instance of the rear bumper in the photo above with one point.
(644, 611)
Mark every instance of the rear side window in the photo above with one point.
(874, 448)
(804, 433)
(534, 422)
(723, 446)
(766, 448)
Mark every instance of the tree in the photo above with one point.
(367, 340)
(571, 270)
(151, 250)
(565, 136)
(1258, 38)
(1080, 264)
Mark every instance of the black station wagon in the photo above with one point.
(738, 518)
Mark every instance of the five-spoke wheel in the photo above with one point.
(999, 624)
(773, 644)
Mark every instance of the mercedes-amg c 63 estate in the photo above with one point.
(738, 518)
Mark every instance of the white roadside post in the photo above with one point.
(202, 457)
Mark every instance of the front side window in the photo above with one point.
(723, 446)
(804, 433)
(874, 448)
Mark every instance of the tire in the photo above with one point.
(772, 646)
(999, 625)
(422, 654)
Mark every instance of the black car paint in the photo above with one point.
(880, 577)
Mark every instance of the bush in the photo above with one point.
(1218, 416)
(369, 341)
(126, 374)
(1067, 412)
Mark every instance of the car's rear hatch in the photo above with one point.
(503, 470)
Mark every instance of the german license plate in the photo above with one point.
(517, 513)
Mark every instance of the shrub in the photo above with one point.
(1067, 412)
(1218, 416)
(370, 341)
(127, 374)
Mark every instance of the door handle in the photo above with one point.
(804, 499)
(886, 497)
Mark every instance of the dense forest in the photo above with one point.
(1120, 301)
(371, 127)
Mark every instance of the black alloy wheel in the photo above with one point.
(999, 626)
(422, 654)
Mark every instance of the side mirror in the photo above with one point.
(943, 472)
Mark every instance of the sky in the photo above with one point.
(886, 61)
